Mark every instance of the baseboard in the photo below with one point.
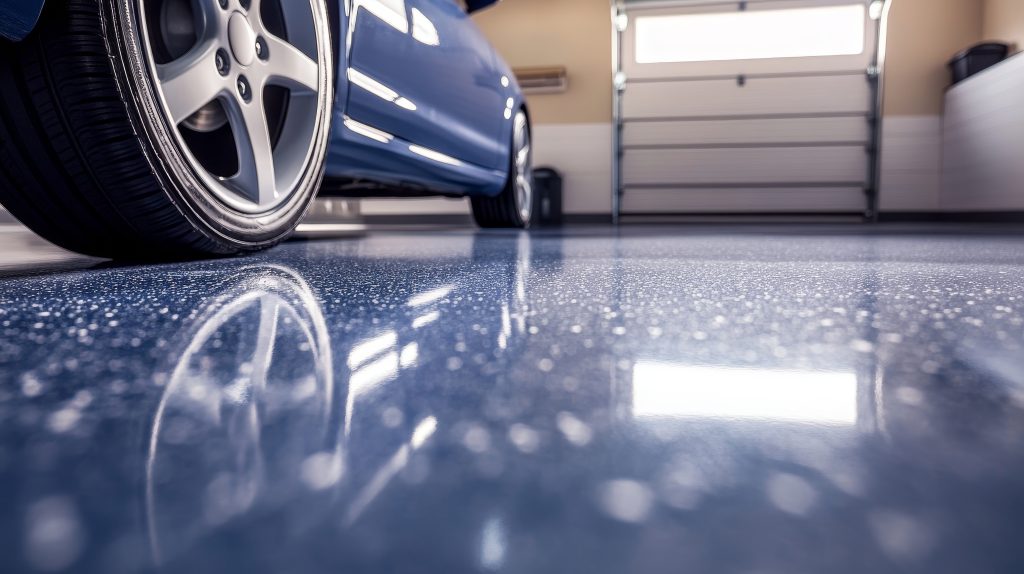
(948, 217)
(455, 219)
(588, 219)
(444, 219)
(701, 218)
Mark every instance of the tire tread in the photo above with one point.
(72, 167)
(500, 211)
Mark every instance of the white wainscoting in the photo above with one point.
(417, 206)
(911, 167)
(983, 141)
(583, 155)
(581, 152)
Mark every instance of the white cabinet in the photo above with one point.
(983, 141)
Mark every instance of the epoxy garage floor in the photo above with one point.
(770, 399)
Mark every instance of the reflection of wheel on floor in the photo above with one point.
(249, 397)
(513, 207)
(166, 127)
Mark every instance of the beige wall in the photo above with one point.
(923, 35)
(1004, 21)
(571, 33)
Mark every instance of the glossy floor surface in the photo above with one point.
(749, 400)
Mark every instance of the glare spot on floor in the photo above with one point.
(791, 494)
(322, 470)
(901, 536)
(524, 438)
(476, 439)
(54, 536)
(626, 500)
(575, 431)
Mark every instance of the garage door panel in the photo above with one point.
(723, 112)
(745, 200)
(758, 97)
(783, 65)
(745, 166)
(807, 66)
(853, 129)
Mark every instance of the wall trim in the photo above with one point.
(953, 217)
(451, 219)
(444, 219)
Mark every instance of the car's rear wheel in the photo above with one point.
(513, 207)
(145, 128)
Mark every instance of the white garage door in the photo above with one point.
(747, 107)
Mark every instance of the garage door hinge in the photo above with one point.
(621, 21)
(873, 72)
(620, 81)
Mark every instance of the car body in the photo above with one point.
(438, 97)
(423, 104)
(18, 17)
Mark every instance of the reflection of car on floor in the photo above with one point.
(208, 126)
(272, 416)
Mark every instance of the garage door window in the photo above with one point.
(751, 35)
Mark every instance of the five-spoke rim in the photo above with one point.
(523, 168)
(235, 58)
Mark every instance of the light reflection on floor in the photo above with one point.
(785, 399)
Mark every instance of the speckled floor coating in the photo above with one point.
(669, 400)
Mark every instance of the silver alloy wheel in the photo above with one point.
(224, 77)
(523, 168)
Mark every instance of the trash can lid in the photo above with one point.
(985, 48)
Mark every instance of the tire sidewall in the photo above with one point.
(168, 158)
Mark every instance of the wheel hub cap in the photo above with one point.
(262, 80)
(242, 39)
(523, 169)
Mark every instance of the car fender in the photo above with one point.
(19, 17)
(515, 97)
(390, 163)
(341, 21)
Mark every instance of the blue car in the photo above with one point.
(149, 128)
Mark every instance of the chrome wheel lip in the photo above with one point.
(289, 166)
(522, 168)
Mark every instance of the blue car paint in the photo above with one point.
(18, 17)
(457, 140)
(445, 76)
(455, 99)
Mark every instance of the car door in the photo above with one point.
(422, 71)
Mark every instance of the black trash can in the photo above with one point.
(548, 191)
(977, 59)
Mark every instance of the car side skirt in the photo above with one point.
(362, 152)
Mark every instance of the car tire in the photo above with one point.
(109, 145)
(514, 206)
